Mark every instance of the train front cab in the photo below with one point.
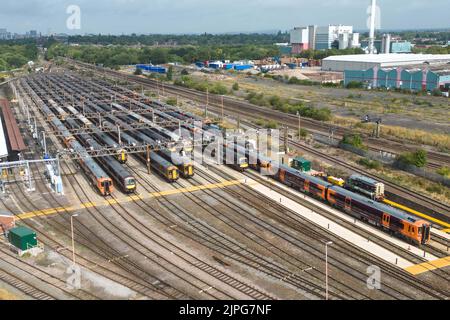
(105, 186)
(122, 157)
(130, 185)
(172, 174)
(419, 231)
(187, 170)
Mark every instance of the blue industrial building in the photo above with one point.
(414, 79)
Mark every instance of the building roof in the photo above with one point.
(12, 129)
(3, 146)
(390, 58)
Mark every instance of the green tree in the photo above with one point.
(235, 86)
(418, 158)
(138, 72)
(170, 73)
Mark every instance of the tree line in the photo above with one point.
(113, 56)
(15, 56)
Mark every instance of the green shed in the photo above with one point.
(301, 164)
(22, 238)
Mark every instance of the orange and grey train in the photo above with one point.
(102, 182)
(378, 214)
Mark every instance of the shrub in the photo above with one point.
(371, 164)
(354, 140)
(138, 72)
(184, 72)
(417, 158)
(354, 85)
(172, 101)
(303, 133)
(235, 86)
(444, 171)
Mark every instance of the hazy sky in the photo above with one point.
(196, 16)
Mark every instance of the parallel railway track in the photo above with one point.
(292, 220)
(246, 109)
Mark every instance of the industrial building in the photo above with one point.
(299, 40)
(329, 35)
(408, 78)
(323, 38)
(368, 61)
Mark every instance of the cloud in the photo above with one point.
(190, 16)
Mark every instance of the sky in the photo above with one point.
(199, 16)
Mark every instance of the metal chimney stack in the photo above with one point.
(372, 27)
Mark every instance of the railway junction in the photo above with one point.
(111, 183)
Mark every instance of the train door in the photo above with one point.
(282, 175)
(306, 186)
(425, 233)
(385, 221)
(348, 204)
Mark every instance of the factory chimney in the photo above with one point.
(372, 27)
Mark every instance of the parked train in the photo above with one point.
(102, 182)
(378, 214)
(121, 176)
(183, 163)
(366, 186)
(163, 167)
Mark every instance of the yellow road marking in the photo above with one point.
(414, 212)
(446, 230)
(52, 211)
(428, 266)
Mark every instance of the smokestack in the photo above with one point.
(372, 27)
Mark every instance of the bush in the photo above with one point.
(184, 72)
(355, 85)
(370, 164)
(138, 72)
(417, 158)
(235, 86)
(354, 140)
(172, 101)
(444, 171)
(271, 124)
(303, 133)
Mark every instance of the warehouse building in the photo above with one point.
(409, 78)
(369, 61)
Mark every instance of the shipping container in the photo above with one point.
(150, 68)
(240, 67)
(22, 238)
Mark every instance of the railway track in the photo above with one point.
(424, 204)
(198, 263)
(25, 287)
(245, 109)
(289, 218)
(223, 245)
(157, 289)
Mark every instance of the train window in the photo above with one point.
(131, 182)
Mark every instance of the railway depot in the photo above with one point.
(139, 211)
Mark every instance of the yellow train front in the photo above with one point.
(183, 163)
(165, 168)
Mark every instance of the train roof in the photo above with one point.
(363, 178)
(316, 180)
(157, 158)
(380, 206)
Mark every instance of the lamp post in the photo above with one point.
(73, 242)
(299, 124)
(326, 268)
